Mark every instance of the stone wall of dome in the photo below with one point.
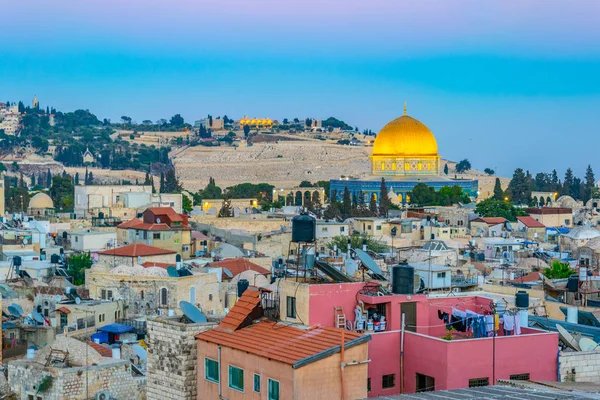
(405, 146)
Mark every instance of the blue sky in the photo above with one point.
(503, 83)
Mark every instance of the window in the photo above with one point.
(164, 296)
(76, 239)
(145, 235)
(273, 390)
(342, 229)
(369, 227)
(236, 378)
(103, 294)
(425, 383)
(520, 377)
(567, 221)
(156, 235)
(368, 385)
(378, 227)
(109, 295)
(324, 229)
(211, 370)
(142, 294)
(388, 381)
(441, 275)
(291, 307)
(478, 382)
(257, 383)
(210, 297)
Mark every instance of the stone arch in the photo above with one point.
(306, 197)
(298, 198)
(542, 202)
(536, 202)
(548, 201)
(289, 199)
(316, 197)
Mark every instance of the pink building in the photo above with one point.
(429, 362)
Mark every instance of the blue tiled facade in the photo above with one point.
(370, 187)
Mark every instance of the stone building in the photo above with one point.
(151, 291)
(172, 358)
(70, 369)
(40, 205)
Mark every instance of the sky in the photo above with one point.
(505, 84)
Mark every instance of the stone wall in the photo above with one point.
(172, 359)
(112, 376)
(581, 366)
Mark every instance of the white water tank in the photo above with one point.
(30, 353)
(116, 353)
(524, 318)
(572, 316)
(171, 313)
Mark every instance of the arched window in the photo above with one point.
(164, 297)
(400, 197)
(193, 295)
(142, 295)
(408, 198)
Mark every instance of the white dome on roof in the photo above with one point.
(155, 271)
(568, 202)
(41, 200)
(583, 232)
(127, 270)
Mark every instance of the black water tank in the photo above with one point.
(64, 235)
(403, 279)
(242, 285)
(17, 261)
(522, 299)
(54, 258)
(304, 229)
(573, 283)
(178, 258)
(101, 215)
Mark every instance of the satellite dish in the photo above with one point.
(77, 300)
(567, 338)
(158, 220)
(58, 298)
(25, 241)
(586, 344)
(37, 317)
(192, 312)
(172, 271)
(227, 272)
(68, 290)
(15, 310)
(140, 351)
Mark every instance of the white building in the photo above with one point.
(433, 276)
(330, 229)
(93, 241)
(10, 123)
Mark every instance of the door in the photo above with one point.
(410, 316)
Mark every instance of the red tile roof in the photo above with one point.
(530, 222)
(283, 342)
(549, 210)
(531, 277)
(237, 266)
(148, 264)
(103, 350)
(199, 236)
(63, 310)
(139, 224)
(137, 250)
(243, 312)
(173, 216)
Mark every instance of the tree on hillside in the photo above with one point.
(171, 184)
(246, 130)
(305, 184)
(498, 208)
(567, 183)
(373, 205)
(555, 182)
(226, 210)
(489, 171)
(161, 188)
(76, 178)
(384, 200)
(308, 122)
(356, 242)
(147, 179)
(498, 192)
(48, 179)
(519, 188)
(177, 121)
(91, 178)
(61, 192)
(346, 203)
(126, 120)
(78, 263)
(590, 183)
(463, 166)
(33, 180)
(446, 169)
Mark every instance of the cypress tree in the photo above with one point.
(498, 192)
(91, 178)
(33, 180)
(384, 200)
(77, 178)
(161, 188)
(346, 203)
(373, 205)
(48, 179)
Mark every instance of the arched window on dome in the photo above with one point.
(393, 166)
(400, 197)
(420, 166)
(406, 166)
(383, 165)
(407, 198)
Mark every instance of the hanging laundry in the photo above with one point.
(508, 323)
(489, 324)
(518, 324)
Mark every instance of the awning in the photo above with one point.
(63, 310)
(116, 328)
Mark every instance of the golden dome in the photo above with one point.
(405, 136)
(41, 200)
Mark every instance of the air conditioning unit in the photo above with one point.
(456, 290)
(103, 396)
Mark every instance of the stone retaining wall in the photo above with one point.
(581, 366)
